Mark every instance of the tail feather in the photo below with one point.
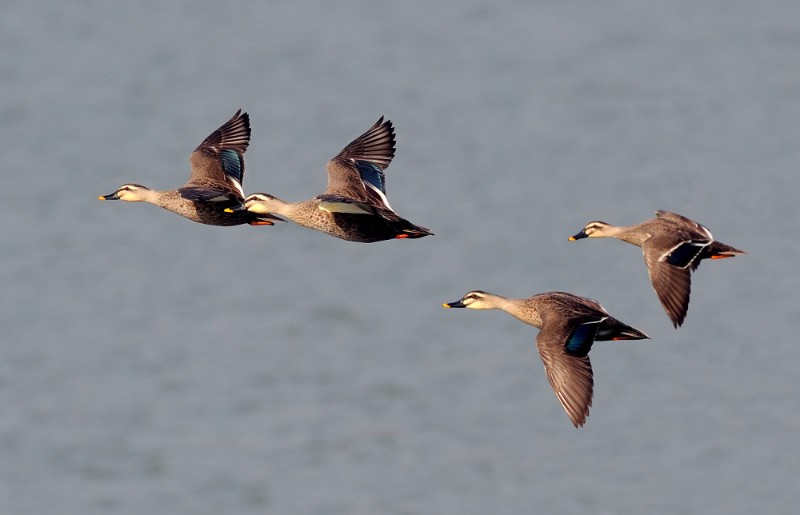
(415, 232)
(406, 229)
(630, 333)
(613, 329)
(717, 250)
(720, 249)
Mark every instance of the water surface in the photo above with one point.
(153, 365)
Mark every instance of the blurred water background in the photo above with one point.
(153, 365)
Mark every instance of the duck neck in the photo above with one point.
(627, 233)
(156, 197)
(522, 310)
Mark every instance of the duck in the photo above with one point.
(673, 247)
(215, 182)
(568, 326)
(354, 206)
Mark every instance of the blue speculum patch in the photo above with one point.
(231, 164)
(683, 255)
(372, 174)
(582, 338)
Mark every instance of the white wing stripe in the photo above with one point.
(380, 194)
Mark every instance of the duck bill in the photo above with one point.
(110, 196)
(578, 236)
(456, 304)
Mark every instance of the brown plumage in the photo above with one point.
(568, 326)
(215, 182)
(673, 246)
(354, 206)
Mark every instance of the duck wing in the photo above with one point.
(564, 349)
(672, 282)
(218, 163)
(701, 230)
(355, 175)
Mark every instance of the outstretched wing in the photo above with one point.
(219, 160)
(672, 283)
(563, 350)
(686, 223)
(356, 173)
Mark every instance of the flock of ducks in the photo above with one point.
(354, 207)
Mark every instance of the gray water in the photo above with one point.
(152, 365)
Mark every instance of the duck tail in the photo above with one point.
(408, 230)
(716, 250)
(719, 250)
(630, 333)
(265, 219)
(613, 329)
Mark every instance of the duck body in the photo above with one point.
(354, 206)
(351, 226)
(673, 246)
(215, 183)
(568, 326)
(200, 206)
